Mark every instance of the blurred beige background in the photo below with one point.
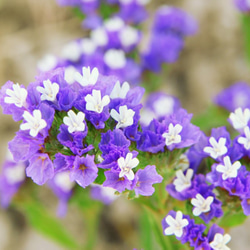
(212, 59)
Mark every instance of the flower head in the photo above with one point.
(218, 148)
(16, 96)
(172, 136)
(74, 121)
(120, 91)
(124, 117)
(126, 165)
(49, 91)
(34, 124)
(183, 181)
(219, 242)
(176, 224)
(95, 102)
(88, 77)
(245, 140)
(240, 118)
(201, 205)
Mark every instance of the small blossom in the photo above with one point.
(95, 102)
(239, 118)
(128, 36)
(114, 24)
(182, 182)
(87, 78)
(72, 51)
(88, 46)
(49, 91)
(201, 204)
(34, 123)
(245, 140)
(219, 242)
(124, 117)
(126, 166)
(120, 91)
(218, 148)
(99, 36)
(228, 170)
(115, 59)
(172, 136)
(74, 121)
(69, 74)
(176, 224)
(16, 96)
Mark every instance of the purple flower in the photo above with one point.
(40, 168)
(144, 179)
(12, 177)
(234, 97)
(242, 5)
(84, 171)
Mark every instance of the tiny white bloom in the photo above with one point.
(218, 148)
(176, 224)
(245, 140)
(128, 36)
(240, 118)
(219, 242)
(201, 205)
(88, 46)
(62, 180)
(126, 166)
(49, 91)
(114, 24)
(74, 121)
(183, 181)
(88, 77)
(99, 36)
(172, 136)
(69, 74)
(16, 96)
(183, 162)
(115, 59)
(72, 51)
(34, 124)
(15, 174)
(164, 106)
(228, 170)
(47, 63)
(95, 102)
(125, 117)
(120, 91)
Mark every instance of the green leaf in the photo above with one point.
(246, 33)
(101, 177)
(46, 224)
(232, 219)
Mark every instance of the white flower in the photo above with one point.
(49, 91)
(115, 59)
(74, 122)
(87, 77)
(99, 36)
(62, 180)
(128, 36)
(126, 166)
(34, 124)
(114, 24)
(172, 136)
(182, 182)
(201, 205)
(239, 118)
(219, 242)
(72, 51)
(88, 46)
(15, 174)
(120, 91)
(228, 170)
(164, 106)
(124, 117)
(245, 140)
(16, 96)
(176, 224)
(69, 74)
(47, 63)
(218, 148)
(95, 102)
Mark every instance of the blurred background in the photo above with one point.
(212, 59)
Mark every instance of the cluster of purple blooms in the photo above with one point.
(116, 46)
(243, 5)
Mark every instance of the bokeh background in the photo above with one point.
(212, 59)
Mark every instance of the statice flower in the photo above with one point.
(243, 5)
